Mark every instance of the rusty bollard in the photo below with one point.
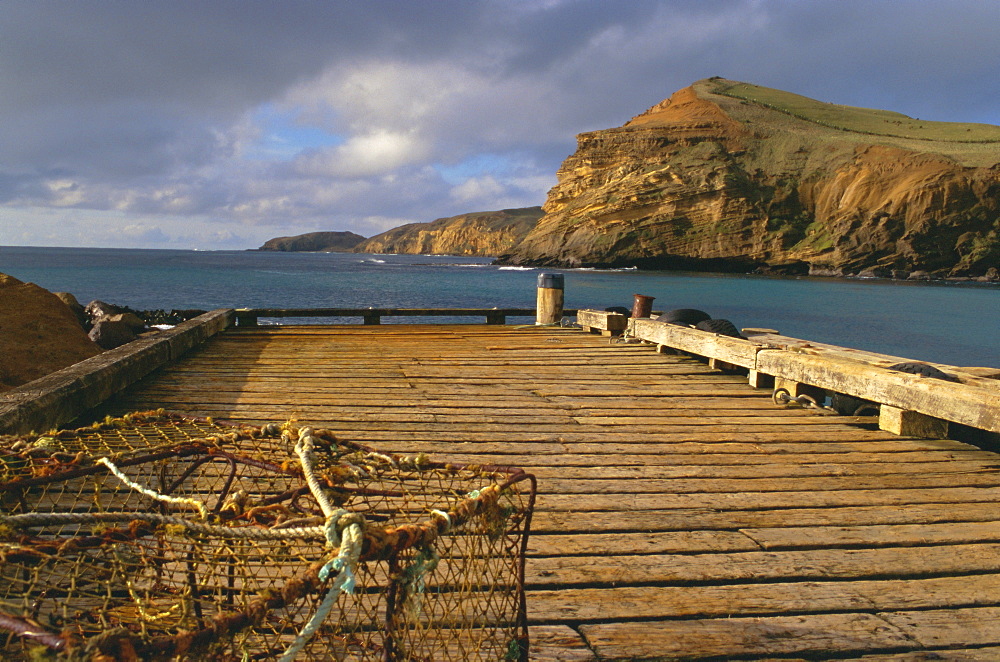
(642, 306)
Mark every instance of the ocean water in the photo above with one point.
(954, 323)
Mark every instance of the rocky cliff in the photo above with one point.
(327, 242)
(728, 176)
(485, 233)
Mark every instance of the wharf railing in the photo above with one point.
(251, 316)
(802, 371)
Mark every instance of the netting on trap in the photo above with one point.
(157, 537)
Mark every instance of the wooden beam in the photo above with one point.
(972, 405)
(736, 351)
(248, 316)
(978, 376)
(910, 423)
(601, 321)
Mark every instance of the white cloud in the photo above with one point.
(366, 155)
(476, 189)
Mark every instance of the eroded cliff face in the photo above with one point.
(714, 182)
(484, 234)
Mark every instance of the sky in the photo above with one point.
(219, 124)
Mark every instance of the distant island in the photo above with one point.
(322, 242)
(484, 234)
(733, 177)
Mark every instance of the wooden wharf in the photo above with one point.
(681, 514)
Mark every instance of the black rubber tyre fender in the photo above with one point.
(684, 316)
(924, 370)
(719, 326)
(848, 405)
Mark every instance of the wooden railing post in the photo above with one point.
(549, 303)
(243, 317)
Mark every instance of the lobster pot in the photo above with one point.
(156, 537)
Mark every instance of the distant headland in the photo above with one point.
(733, 177)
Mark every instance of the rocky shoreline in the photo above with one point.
(42, 332)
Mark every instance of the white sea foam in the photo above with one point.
(516, 269)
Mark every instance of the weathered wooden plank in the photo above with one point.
(601, 470)
(759, 566)
(498, 424)
(876, 535)
(818, 484)
(953, 627)
(659, 542)
(557, 643)
(811, 634)
(985, 654)
(581, 605)
(405, 399)
(654, 463)
(626, 501)
(707, 519)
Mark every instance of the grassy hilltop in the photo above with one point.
(732, 176)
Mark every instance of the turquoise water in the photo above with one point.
(944, 322)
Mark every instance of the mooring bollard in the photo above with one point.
(549, 306)
(642, 306)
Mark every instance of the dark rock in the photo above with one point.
(109, 334)
(791, 268)
(826, 272)
(919, 275)
(131, 319)
(99, 309)
(38, 334)
(76, 307)
(875, 272)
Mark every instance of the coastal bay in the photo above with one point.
(944, 322)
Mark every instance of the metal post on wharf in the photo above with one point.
(549, 303)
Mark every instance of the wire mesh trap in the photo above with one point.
(156, 537)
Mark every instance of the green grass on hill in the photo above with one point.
(860, 120)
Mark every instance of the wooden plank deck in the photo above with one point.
(681, 513)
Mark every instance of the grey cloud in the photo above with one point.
(143, 108)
